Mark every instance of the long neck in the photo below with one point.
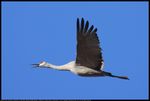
(61, 67)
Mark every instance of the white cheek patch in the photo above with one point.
(42, 63)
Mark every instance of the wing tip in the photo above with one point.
(77, 19)
(82, 18)
(95, 30)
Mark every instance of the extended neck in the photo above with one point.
(62, 67)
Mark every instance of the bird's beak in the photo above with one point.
(35, 65)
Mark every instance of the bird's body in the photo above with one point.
(89, 61)
(71, 66)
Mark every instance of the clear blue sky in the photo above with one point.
(37, 31)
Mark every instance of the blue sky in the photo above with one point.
(37, 31)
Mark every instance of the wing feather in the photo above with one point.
(88, 51)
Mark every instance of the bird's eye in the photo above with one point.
(41, 62)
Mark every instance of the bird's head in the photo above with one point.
(40, 64)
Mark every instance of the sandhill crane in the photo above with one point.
(89, 61)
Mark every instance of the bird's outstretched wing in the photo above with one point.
(88, 51)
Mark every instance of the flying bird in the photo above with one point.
(89, 61)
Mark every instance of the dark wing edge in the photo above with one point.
(89, 53)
